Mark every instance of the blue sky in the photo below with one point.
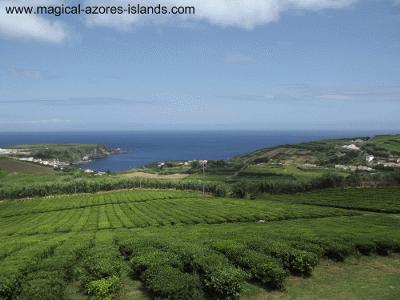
(255, 64)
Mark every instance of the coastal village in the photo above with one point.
(370, 160)
(366, 162)
(23, 155)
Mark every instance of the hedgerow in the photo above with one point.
(219, 279)
(167, 282)
(109, 184)
(101, 268)
(263, 268)
(298, 262)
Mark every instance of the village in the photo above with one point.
(22, 155)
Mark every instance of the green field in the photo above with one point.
(136, 244)
(71, 235)
(384, 145)
(372, 199)
(365, 277)
(283, 169)
(8, 165)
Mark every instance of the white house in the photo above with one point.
(369, 158)
(351, 147)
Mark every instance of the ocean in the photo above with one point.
(143, 147)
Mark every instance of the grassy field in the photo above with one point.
(369, 199)
(9, 165)
(384, 145)
(365, 277)
(182, 245)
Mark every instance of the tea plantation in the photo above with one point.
(385, 200)
(179, 245)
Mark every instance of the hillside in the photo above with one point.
(282, 169)
(72, 153)
(134, 235)
(359, 161)
(164, 244)
(329, 152)
(10, 165)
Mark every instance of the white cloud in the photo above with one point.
(31, 27)
(234, 13)
(237, 13)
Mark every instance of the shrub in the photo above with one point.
(8, 284)
(298, 262)
(329, 180)
(43, 288)
(152, 258)
(220, 279)
(103, 289)
(100, 265)
(260, 267)
(309, 247)
(366, 248)
(238, 190)
(168, 282)
(338, 250)
(384, 247)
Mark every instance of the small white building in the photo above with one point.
(310, 166)
(351, 147)
(8, 151)
(369, 158)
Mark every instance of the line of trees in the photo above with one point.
(250, 189)
(108, 184)
(241, 189)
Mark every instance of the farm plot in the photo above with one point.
(214, 261)
(142, 209)
(386, 200)
(64, 202)
(180, 245)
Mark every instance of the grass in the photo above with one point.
(384, 145)
(385, 200)
(287, 170)
(373, 277)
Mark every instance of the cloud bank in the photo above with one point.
(227, 13)
(233, 13)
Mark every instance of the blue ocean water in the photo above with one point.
(142, 147)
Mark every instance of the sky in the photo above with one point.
(236, 64)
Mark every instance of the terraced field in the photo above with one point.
(179, 245)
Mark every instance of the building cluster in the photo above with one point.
(55, 163)
(161, 165)
(8, 151)
(351, 147)
(354, 168)
(93, 172)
